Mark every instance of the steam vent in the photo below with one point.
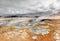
(29, 20)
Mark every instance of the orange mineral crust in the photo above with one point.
(47, 31)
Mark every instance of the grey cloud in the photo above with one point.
(11, 7)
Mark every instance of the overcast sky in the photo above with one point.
(28, 6)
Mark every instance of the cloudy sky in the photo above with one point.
(28, 6)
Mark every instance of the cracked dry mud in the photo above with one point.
(48, 31)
